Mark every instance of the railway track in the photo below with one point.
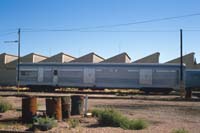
(77, 91)
(118, 92)
(99, 96)
(93, 92)
(174, 96)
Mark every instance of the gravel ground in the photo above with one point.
(162, 115)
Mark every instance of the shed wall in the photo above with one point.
(7, 77)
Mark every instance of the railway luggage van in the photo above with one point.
(99, 75)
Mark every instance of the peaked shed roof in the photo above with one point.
(31, 58)
(120, 58)
(60, 57)
(91, 57)
(153, 58)
(6, 58)
(188, 59)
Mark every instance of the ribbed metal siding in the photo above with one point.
(48, 76)
(193, 78)
(107, 76)
(118, 77)
(165, 77)
(71, 77)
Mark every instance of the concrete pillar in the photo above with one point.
(54, 108)
(77, 105)
(29, 109)
(86, 104)
(66, 107)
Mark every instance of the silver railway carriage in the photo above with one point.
(99, 75)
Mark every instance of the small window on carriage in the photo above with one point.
(55, 72)
(26, 73)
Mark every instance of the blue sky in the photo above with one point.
(68, 14)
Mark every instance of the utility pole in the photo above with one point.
(182, 87)
(18, 63)
(187, 92)
(181, 54)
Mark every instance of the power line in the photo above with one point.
(114, 25)
(107, 31)
(6, 34)
(197, 30)
(112, 31)
(84, 29)
(8, 30)
(130, 31)
(193, 30)
(122, 31)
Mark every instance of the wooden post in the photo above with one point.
(29, 109)
(54, 108)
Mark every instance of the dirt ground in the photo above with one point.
(162, 115)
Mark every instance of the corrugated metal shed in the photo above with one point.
(8, 73)
(60, 58)
(120, 58)
(30, 58)
(33, 57)
(89, 58)
(7, 76)
(6, 58)
(188, 59)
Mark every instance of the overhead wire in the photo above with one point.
(193, 30)
(114, 31)
(6, 34)
(112, 26)
(92, 29)
(130, 31)
(124, 31)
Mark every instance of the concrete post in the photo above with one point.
(86, 104)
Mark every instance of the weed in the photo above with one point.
(44, 123)
(73, 123)
(4, 106)
(138, 124)
(181, 130)
(111, 117)
(96, 112)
